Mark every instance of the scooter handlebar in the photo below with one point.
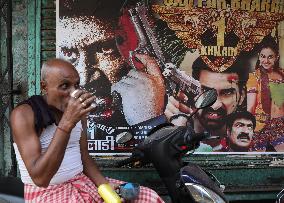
(178, 137)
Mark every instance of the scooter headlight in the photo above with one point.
(203, 194)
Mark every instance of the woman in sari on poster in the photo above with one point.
(264, 98)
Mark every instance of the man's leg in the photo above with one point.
(80, 189)
(146, 195)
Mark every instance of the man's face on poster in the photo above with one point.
(229, 97)
(89, 43)
(241, 133)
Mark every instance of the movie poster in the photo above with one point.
(149, 63)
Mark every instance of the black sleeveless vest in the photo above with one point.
(43, 115)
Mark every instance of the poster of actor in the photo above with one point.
(86, 37)
(148, 60)
(240, 127)
(238, 44)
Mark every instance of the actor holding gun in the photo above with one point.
(181, 87)
(149, 83)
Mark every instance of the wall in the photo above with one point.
(19, 51)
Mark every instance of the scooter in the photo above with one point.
(164, 148)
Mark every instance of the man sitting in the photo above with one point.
(50, 141)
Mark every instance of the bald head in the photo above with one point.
(54, 64)
(58, 79)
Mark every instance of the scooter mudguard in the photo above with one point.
(200, 186)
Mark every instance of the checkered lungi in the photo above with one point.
(78, 190)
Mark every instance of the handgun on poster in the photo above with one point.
(136, 35)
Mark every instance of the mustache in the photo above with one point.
(243, 136)
(219, 111)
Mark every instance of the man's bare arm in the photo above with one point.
(41, 167)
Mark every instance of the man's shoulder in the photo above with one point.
(22, 112)
(22, 109)
(22, 121)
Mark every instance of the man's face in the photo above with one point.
(58, 85)
(229, 97)
(267, 58)
(89, 43)
(241, 133)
